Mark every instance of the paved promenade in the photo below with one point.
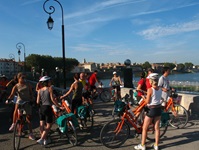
(174, 139)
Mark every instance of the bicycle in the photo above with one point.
(67, 121)
(85, 113)
(18, 128)
(179, 117)
(103, 93)
(116, 132)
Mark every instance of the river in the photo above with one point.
(186, 77)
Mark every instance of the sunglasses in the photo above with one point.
(23, 77)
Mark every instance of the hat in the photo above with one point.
(114, 72)
(44, 78)
(153, 76)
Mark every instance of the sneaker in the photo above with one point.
(46, 142)
(31, 137)
(40, 141)
(155, 147)
(12, 127)
(140, 147)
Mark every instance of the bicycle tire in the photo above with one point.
(105, 96)
(108, 136)
(16, 136)
(181, 119)
(71, 134)
(151, 131)
(88, 121)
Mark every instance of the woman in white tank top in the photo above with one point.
(153, 101)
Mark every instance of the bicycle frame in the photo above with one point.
(170, 104)
(131, 119)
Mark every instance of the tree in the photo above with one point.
(49, 63)
(146, 65)
(170, 65)
(188, 65)
(181, 67)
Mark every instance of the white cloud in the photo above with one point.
(161, 31)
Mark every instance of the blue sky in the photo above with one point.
(104, 31)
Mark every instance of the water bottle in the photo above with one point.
(67, 103)
(54, 108)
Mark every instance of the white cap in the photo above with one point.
(114, 72)
(44, 78)
(153, 76)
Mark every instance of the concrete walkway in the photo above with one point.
(174, 139)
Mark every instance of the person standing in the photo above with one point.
(149, 71)
(45, 98)
(164, 84)
(153, 100)
(24, 93)
(141, 87)
(76, 87)
(3, 88)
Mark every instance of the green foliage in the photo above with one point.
(188, 65)
(181, 67)
(146, 65)
(49, 63)
(170, 65)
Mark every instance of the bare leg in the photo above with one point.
(157, 130)
(146, 124)
(45, 132)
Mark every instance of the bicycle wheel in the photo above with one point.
(88, 121)
(151, 131)
(105, 96)
(110, 138)
(17, 135)
(71, 134)
(179, 118)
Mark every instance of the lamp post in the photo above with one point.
(18, 46)
(42, 72)
(12, 57)
(50, 26)
(57, 76)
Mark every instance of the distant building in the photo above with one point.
(9, 67)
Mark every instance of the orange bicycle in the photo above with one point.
(179, 115)
(116, 132)
(67, 121)
(18, 128)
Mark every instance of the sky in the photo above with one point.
(103, 31)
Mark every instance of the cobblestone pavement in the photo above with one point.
(174, 139)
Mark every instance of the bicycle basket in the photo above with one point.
(119, 106)
(165, 117)
(62, 124)
(82, 111)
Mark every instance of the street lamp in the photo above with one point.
(18, 46)
(19, 53)
(12, 57)
(50, 26)
(42, 72)
(57, 76)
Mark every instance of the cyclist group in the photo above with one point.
(82, 87)
(153, 87)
